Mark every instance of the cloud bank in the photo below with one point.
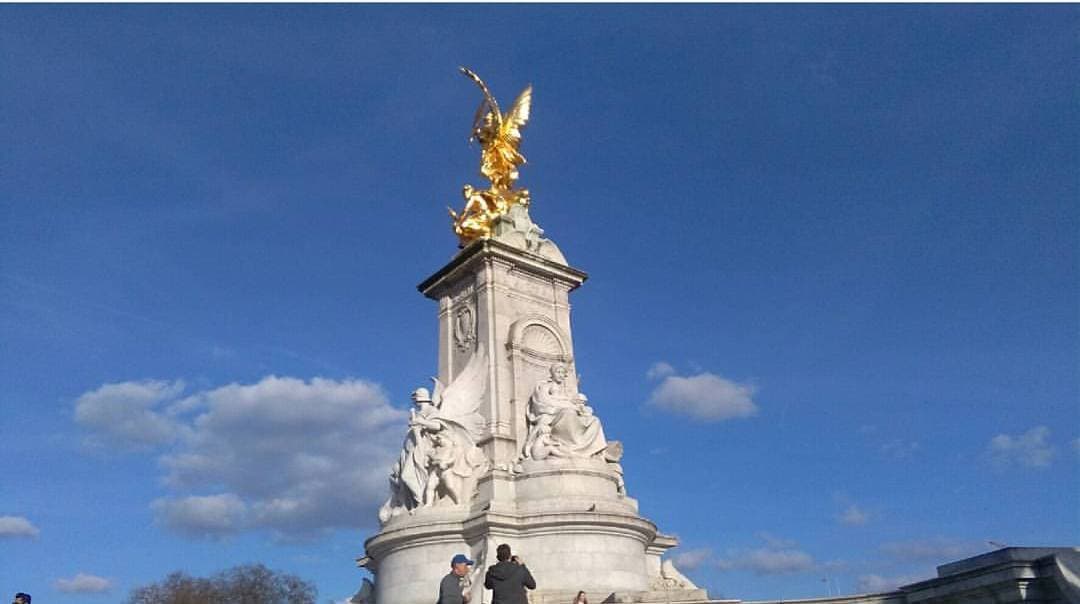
(692, 559)
(1029, 450)
(659, 369)
(126, 414)
(286, 455)
(83, 583)
(776, 557)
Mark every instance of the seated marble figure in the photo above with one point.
(560, 423)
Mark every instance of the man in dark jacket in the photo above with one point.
(451, 588)
(508, 578)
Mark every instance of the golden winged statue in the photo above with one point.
(499, 135)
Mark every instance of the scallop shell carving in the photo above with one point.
(540, 339)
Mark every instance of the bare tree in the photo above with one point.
(247, 584)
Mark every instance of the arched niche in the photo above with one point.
(535, 344)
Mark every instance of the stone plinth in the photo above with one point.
(566, 518)
(570, 484)
(594, 551)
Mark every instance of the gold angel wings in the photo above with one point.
(499, 136)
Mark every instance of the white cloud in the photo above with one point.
(83, 583)
(774, 542)
(900, 449)
(853, 515)
(936, 550)
(877, 583)
(17, 526)
(691, 559)
(128, 414)
(659, 369)
(777, 557)
(704, 396)
(290, 456)
(766, 561)
(1029, 449)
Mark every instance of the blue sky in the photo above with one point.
(832, 306)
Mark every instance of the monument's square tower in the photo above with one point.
(506, 448)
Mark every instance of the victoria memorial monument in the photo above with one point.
(504, 447)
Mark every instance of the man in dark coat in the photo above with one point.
(509, 578)
(451, 588)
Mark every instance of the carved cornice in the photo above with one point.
(432, 530)
(484, 249)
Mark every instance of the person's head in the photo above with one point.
(558, 372)
(420, 396)
(21, 598)
(460, 564)
(581, 597)
(502, 553)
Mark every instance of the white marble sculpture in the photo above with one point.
(560, 423)
(439, 462)
(544, 445)
(670, 578)
(516, 228)
(365, 595)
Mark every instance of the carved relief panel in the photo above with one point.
(461, 326)
(465, 326)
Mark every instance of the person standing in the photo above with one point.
(452, 586)
(21, 598)
(580, 598)
(508, 578)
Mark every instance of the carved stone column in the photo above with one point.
(516, 305)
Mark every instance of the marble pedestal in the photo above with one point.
(565, 518)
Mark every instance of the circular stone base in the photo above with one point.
(565, 518)
(565, 551)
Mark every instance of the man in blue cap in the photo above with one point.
(452, 586)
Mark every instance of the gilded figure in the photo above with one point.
(499, 135)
